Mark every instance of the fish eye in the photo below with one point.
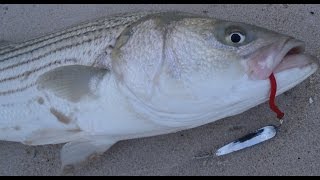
(232, 35)
(236, 38)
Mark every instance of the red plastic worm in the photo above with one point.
(272, 103)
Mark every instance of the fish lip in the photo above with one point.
(279, 54)
(292, 46)
(293, 49)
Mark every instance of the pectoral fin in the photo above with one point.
(72, 82)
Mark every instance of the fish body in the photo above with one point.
(140, 74)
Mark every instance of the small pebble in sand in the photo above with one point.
(310, 100)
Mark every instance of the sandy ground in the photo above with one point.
(295, 150)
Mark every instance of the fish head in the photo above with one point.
(191, 69)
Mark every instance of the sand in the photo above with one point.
(294, 151)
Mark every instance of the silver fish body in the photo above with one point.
(136, 75)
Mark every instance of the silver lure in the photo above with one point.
(254, 138)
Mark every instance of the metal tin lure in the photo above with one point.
(248, 140)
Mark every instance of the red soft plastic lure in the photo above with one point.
(273, 91)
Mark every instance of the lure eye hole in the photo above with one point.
(236, 38)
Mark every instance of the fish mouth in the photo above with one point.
(277, 57)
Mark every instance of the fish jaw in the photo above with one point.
(279, 56)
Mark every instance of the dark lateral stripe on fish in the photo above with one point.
(12, 91)
(28, 73)
(45, 38)
(47, 53)
(98, 24)
(74, 34)
(64, 39)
